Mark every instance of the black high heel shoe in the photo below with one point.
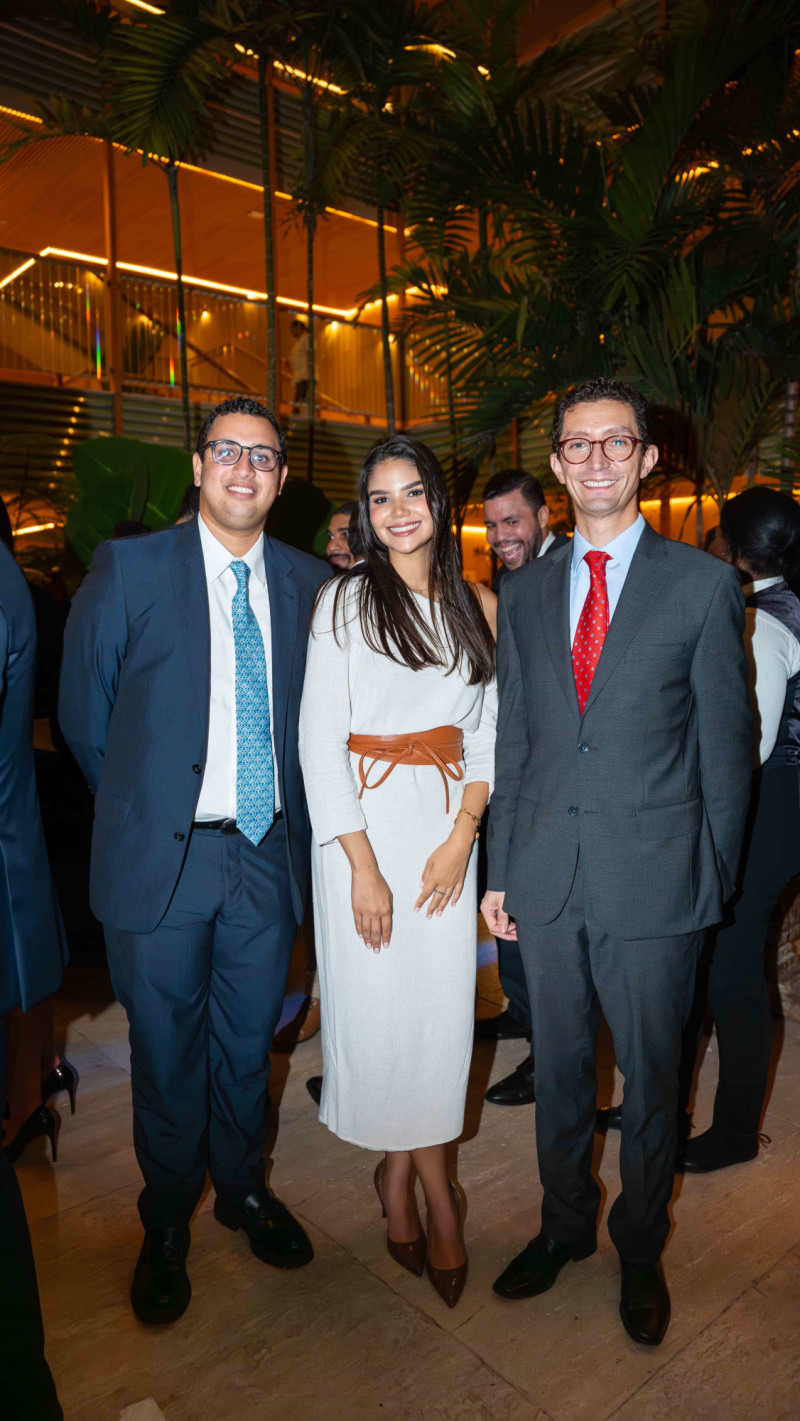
(62, 1077)
(43, 1121)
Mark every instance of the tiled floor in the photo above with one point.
(353, 1335)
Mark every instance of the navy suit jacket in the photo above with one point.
(32, 944)
(134, 703)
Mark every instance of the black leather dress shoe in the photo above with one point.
(644, 1304)
(275, 1237)
(161, 1291)
(502, 1027)
(314, 1088)
(536, 1268)
(609, 1117)
(716, 1149)
(516, 1089)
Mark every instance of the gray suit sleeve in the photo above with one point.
(95, 642)
(724, 724)
(512, 747)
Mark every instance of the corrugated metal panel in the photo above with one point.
(339, 453)
(40, 428)
(35, 57)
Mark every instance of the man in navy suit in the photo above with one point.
(180, 691)
(32, 956)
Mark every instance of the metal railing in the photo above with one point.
(53, 329)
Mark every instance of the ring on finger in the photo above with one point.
(438, 890)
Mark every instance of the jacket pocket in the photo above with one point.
(670, 820)
(110, 809)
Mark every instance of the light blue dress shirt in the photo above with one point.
(621, 550)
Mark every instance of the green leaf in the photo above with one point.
(120, 478)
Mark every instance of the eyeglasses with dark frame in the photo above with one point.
(625, 446)
(227, 452)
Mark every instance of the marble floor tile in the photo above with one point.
(746, 1364)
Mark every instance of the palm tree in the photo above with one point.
(160, 72)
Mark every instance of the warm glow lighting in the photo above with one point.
(142, 5)
(18, 272)
(17, 113)
(431, 49)
(485, 72)
(34, 528)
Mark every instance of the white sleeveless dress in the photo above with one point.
(396, 1025)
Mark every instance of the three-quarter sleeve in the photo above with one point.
(479, 743)
(331, 789)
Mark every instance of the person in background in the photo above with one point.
(299, 363)
(624, 741)
(518, 531)
(130, 528)
(760, 534)
(32, 957)
(191, 645)
(339, 551)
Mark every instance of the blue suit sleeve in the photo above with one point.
(3, 654)
(95, 642)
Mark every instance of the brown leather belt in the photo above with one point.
(442, 747)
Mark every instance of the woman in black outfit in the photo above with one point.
(761, 532)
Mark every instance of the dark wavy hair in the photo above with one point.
(391, 622)
(589, 392)
(240, 404)
(762, 528)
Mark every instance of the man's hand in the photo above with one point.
(498, 922)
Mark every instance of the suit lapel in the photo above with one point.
(284, 616)
(191, 589)
(647, 574)
(557, 565)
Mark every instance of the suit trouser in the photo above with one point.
(27, 1390)
(511, 969)
(203, 993)
(737, 987)
(644, 988)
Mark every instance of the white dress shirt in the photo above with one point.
(218, 791)
(621, 550)
(773, 656)
(550, 538)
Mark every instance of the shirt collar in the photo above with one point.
(546, 544)
(621, 549)
(758, 585)
(217, 558)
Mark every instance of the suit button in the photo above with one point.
(180, 837)
(198, 769)
(572, 812)
(584, 749)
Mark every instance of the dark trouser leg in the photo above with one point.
(646, 989)
(566, 1017)
(27, 1389)
(737, 990)
(163, 979)
(253, 938)
(514, 982)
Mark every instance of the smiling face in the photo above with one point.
(604, 493)
(398, 509)
(236, 498)
(514, 530)
(338, 550)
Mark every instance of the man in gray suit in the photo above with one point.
(622, 781)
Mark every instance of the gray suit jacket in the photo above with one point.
(651, 786)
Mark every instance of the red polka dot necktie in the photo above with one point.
(590, 632)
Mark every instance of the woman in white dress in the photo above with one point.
(397, 747)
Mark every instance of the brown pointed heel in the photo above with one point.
(410, 1256)
(449, 1282)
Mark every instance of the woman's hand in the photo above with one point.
(444, 873)
(372, 906)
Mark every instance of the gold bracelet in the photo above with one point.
(474, 817)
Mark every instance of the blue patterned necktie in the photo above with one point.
(255, 774)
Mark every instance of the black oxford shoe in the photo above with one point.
(502, 1027)
(516, 1089)
(161, 1291)
(609, 1117)
(644, 1302)
(275, 1237)
(716, 1149)
(536, 1268)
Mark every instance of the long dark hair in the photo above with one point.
(391, 622)
(762, 527)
